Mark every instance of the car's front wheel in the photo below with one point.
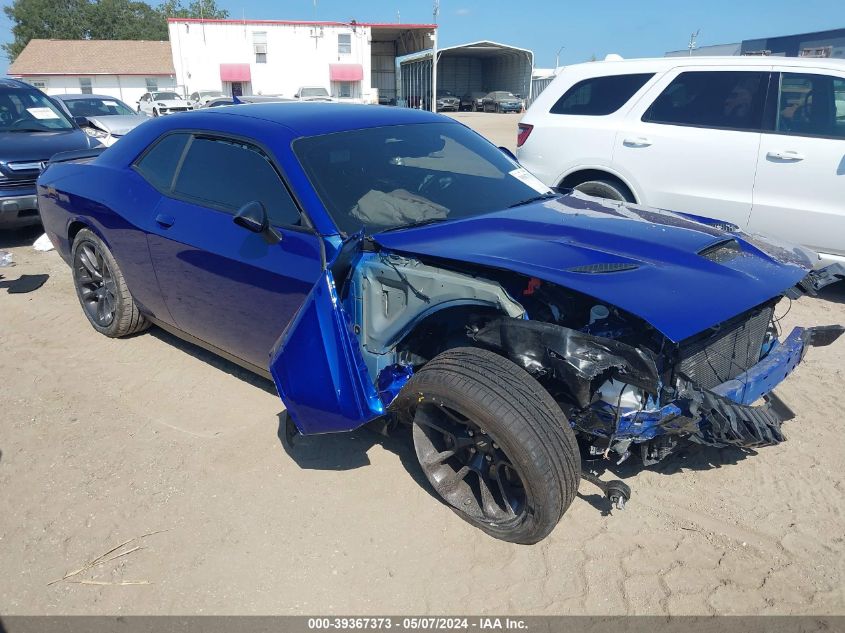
(101, 288)
(493, 443)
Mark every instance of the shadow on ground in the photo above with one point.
(214, 360)
(20, 237)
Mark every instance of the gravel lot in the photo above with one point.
(102, 441)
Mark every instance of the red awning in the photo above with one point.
(234, 72)
(346, 72)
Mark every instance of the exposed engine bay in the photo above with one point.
(624, 386)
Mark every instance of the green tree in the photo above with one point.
(196, 9)
(62, 19)
(98, 19)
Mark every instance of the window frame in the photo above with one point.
(344, 44)
(86, 83)
(306, 226)
(764, 114)
(773, 104)
(579, 83)
(151, 84)
(259, 38)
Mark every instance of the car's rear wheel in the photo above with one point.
(493, 443)
(101, 288)
(605, 189)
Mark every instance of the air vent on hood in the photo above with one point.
(599, 269)
(721, 252)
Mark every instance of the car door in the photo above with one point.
(226, 286)
(142, 102)
(693, 146)
(799, 193)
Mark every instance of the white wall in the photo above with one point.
(294, 56)
(128, 88)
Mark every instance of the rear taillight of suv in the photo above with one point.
(522, 135)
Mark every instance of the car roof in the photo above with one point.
(665, 63)
(312, 119)
(8, 82)
(75, 96)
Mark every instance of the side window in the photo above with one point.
(811, 105)
(227, 174)
(344, 44)
(159, 164)
(599, 96)
(730, 100)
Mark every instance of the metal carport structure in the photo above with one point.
(482, 66)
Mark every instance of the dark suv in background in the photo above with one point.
(32, 129)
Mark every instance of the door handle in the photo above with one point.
(786, 155)
(165, 221)
(637, 141)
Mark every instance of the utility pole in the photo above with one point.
(557, 58)
(692, 42)
(435, 13)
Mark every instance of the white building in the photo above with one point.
(125, 69)
(277, 57)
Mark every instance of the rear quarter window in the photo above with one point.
(599, 96)
(158, 164)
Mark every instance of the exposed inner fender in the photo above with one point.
(389, 294)
(572, 357)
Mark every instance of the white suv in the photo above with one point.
(756, 141)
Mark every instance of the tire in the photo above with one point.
(101, 288)
(607, 189)
(480, 421)
(155, 112)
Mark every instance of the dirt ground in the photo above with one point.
(103, 441)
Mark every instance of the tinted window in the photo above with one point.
(811, 105)
(728, 100)
(600, 95)
(394, 176)
(98, 107)
(30, 111)
(227, 174)
(159, 164)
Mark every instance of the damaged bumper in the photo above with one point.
(723, 416)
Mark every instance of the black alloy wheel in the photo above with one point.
(467, 467)
(95, 284)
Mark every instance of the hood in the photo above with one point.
(18, 147)
(117, 125)
(679, 275)
(172, 103)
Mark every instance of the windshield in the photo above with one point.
(396, 176)
(444, 93)
(503, 95)
(98, 107)
(30, 111)
(166, 96)
(314, 92)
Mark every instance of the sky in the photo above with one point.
(631, 29)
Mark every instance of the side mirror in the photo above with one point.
(81, 121)
(508, 153)
(253, 217)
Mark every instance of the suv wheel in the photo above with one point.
(493, 443)
(605, 189)
(101, 288)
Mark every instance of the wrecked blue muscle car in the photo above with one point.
(390, 266)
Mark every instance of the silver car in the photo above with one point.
(103, 117)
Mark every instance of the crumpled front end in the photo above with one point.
(623, 397)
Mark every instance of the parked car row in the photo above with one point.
(757, 142)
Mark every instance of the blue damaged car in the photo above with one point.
(389, 266)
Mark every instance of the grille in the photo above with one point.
(726, 354)
(18, 183)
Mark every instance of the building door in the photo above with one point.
(237, 89)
